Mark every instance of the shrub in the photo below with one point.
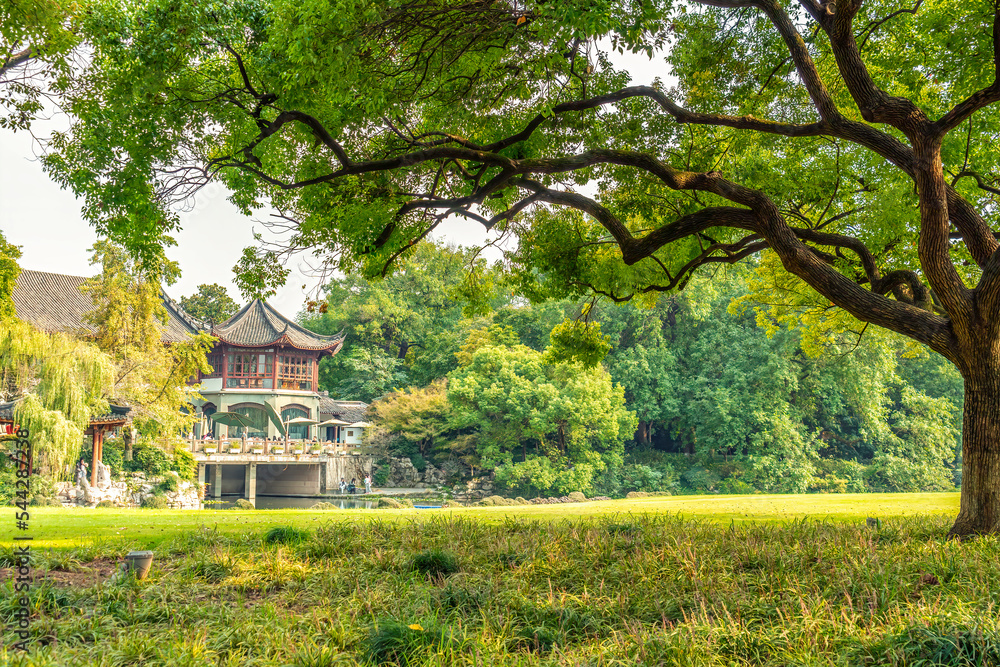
(113, 456)
(381, 476)
(170, 484)
(285, 535)
(776, 474)
(185, 465)
(839, 476)
(577, 497)
(496, 501)
(148, 459)
(892, 473)
(390, 503)
(419, 462)
(735, 486)
(638, 477)
(700, 479)
(39, 500)
(323, 506)
(243, 504)
(105, 504)
(434, 562)
(155, 502)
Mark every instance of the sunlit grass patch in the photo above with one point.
(609, 589)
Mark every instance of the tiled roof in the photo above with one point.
(54, 302)
(7, 411)
(258, 324)
(348, 411)
(179, 324)
(119, 414)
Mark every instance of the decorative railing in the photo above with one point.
(270, 447)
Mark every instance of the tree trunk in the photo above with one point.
(980, 505)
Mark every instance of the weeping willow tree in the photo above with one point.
(58, 381)
(129, 318)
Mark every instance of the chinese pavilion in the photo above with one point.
(262, 357)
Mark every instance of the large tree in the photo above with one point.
(58, 381)
(129, 318)
(211, 304)
(36, 40)
(539, 424)
(851, 140)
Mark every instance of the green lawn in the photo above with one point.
(139, 528)
(618, 584)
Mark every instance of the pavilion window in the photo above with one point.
(295, 431)
(295, 372)
(215, 360)
(249, 370)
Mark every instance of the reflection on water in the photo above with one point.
(288, 502)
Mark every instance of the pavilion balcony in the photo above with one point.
(234, 447)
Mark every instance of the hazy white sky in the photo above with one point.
(46, 222)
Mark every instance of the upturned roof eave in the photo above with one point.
(278, 330)
(280, 341)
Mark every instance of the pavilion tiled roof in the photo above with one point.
(53, 302)
(257, 324)
(119, 414)
(348, 411)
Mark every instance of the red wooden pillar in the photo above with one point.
(96, 453)
(274, 369)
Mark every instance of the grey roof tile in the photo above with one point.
(348, 411)
(258, 324)
(53, 302)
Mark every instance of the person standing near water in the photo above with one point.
(368, 483)
(343, 485)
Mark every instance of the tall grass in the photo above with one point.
(618, 590)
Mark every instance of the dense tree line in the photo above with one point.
(723, 395)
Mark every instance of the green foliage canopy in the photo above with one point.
(210, 304)
(855, 143)
(574, 418)
(36, 38)
(129, 318)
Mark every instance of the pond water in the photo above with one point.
(290, 502)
